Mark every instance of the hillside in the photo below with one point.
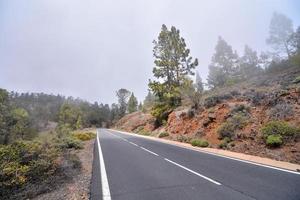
(232, 118)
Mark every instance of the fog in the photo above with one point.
(90, 48)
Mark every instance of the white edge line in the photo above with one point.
(215, 154)
(133, 144)
(196, 173)
(104, 181)
(149, 151)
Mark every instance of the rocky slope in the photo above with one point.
(249, 105)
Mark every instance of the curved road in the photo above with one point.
(127, 167)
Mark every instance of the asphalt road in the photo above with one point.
(141, 169)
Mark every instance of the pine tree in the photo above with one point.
(280, 33)
(122, 95)
(140, 107)
(132, 104)
(249, 64)
(199, 83)
(172, 63)
(223, 67)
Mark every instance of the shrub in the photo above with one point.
(191, 113)
(84, 136)
(279, 128)
(228, 128)
(144, 132)
(69, 143)
(240, 108)
(163, 134)
(199, 143)
(23, 162)
(280, 111)
(224, 143)
(211, 101)
(255, 97)
(183, 138)
(214, 100)
(63, 130)
(161, 112)
(274, 140)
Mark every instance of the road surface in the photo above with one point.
(133, 168)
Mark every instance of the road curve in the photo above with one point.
(141, 169)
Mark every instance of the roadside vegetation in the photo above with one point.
(34, 162)
(249, 102)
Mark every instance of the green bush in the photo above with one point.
(144, 132)
(240, 109)
(228, 128)
(84, 136)
(279, 128)
(68, 143)
(161, 112)
(23, 162)
(163, 134)
(199, 143)
(225, 142)
(274, 140)
(183, 138)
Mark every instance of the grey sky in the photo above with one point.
(91, 48)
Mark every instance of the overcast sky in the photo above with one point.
(91, 48)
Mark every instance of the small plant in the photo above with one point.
(280, 111)
(84, 136)
(228, 128)
(161, 112)
(70, 142)
(224, 143)
(279, 128)
(163, 134)
(199, 143)
(183, 138)
(274, 140)
(144, 132)
(240, 108)
(25, 162)
(191, 113)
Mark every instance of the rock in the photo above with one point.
(212, 116)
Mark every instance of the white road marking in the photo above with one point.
(215, 154)
(196, 173)
(104, 181)
(149, 151)
(134, 144)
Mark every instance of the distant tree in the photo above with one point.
(249, 64)
(132, 104)
(172, 63)
(79, 122)
(199, 83)
(149, 100)
(223, 66)
(20, 124)
(69, 115)
(122, 95)
(296, 41)
(140, 107)
(280, 33)
(114, 112)
(296, 45)
(5, 117)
